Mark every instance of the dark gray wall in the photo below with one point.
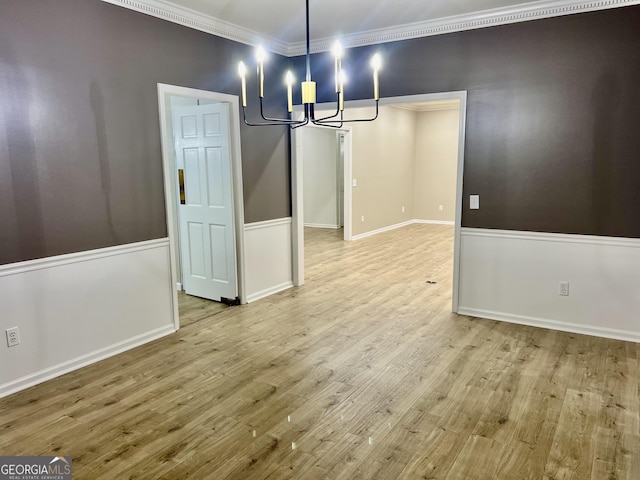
(553, 137)
(80, 156)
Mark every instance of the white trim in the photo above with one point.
(269, 257)
(269, 291)
(168, 164)
(205, 23)
(428, 108)
(322, 225)
(457, 23)
(268, 223)
(552, 237)
(513, 276)
(625, 335)
(347, 217)
(457, 243)
(470, 21)
(179, 286)
(83, 361)
(297, 209)
(400, 225)
(435, 222)
(297, 182)
(297, 193)
(381, 230)
(85, 256)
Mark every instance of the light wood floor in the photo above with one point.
(364, 371)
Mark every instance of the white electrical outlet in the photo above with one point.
(474, 202)
(354, 182)
(362, 218)
(13, 337)
(440, 207)
(402, 209)
(563, 291)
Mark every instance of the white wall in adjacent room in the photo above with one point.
(436, 165)
(319, 169)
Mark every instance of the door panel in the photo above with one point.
(192, 176)
(219, 264)
(196, 250)
(207, 238)
(216, 175)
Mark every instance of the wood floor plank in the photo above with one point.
(362, 373)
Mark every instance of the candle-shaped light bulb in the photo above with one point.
(289, 80)
(342, 80)
(337, 53)
(261, 55)
(337, 49)
(376, 64)
(242, 71)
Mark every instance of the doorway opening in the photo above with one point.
(203, 192)
(362, 176)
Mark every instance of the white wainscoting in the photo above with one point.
(74, 310)
(268, 258)
(515, 276)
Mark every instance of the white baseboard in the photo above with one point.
(269, 291)
(625, 335)
(435, 222)
(381, 230)
(399, 225)
(88, 359)
(515, 277)
(322, 225)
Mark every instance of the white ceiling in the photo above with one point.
(284, 19)
(280, 24)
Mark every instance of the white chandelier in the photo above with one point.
(308, 88)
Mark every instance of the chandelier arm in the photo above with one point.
(330, 116)
(292, 123)
(351, 121)
(328, 125)
(308, 91)
(305, 122)
(284, 121)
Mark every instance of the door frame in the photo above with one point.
(169, 168)
(297, 181)
(297, 193)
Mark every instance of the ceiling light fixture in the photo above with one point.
(308, 88)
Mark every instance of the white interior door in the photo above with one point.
(205, 210)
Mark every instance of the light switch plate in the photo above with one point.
(474, 202)
(354, 183)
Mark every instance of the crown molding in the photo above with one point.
(205, 23)
(486, 18)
